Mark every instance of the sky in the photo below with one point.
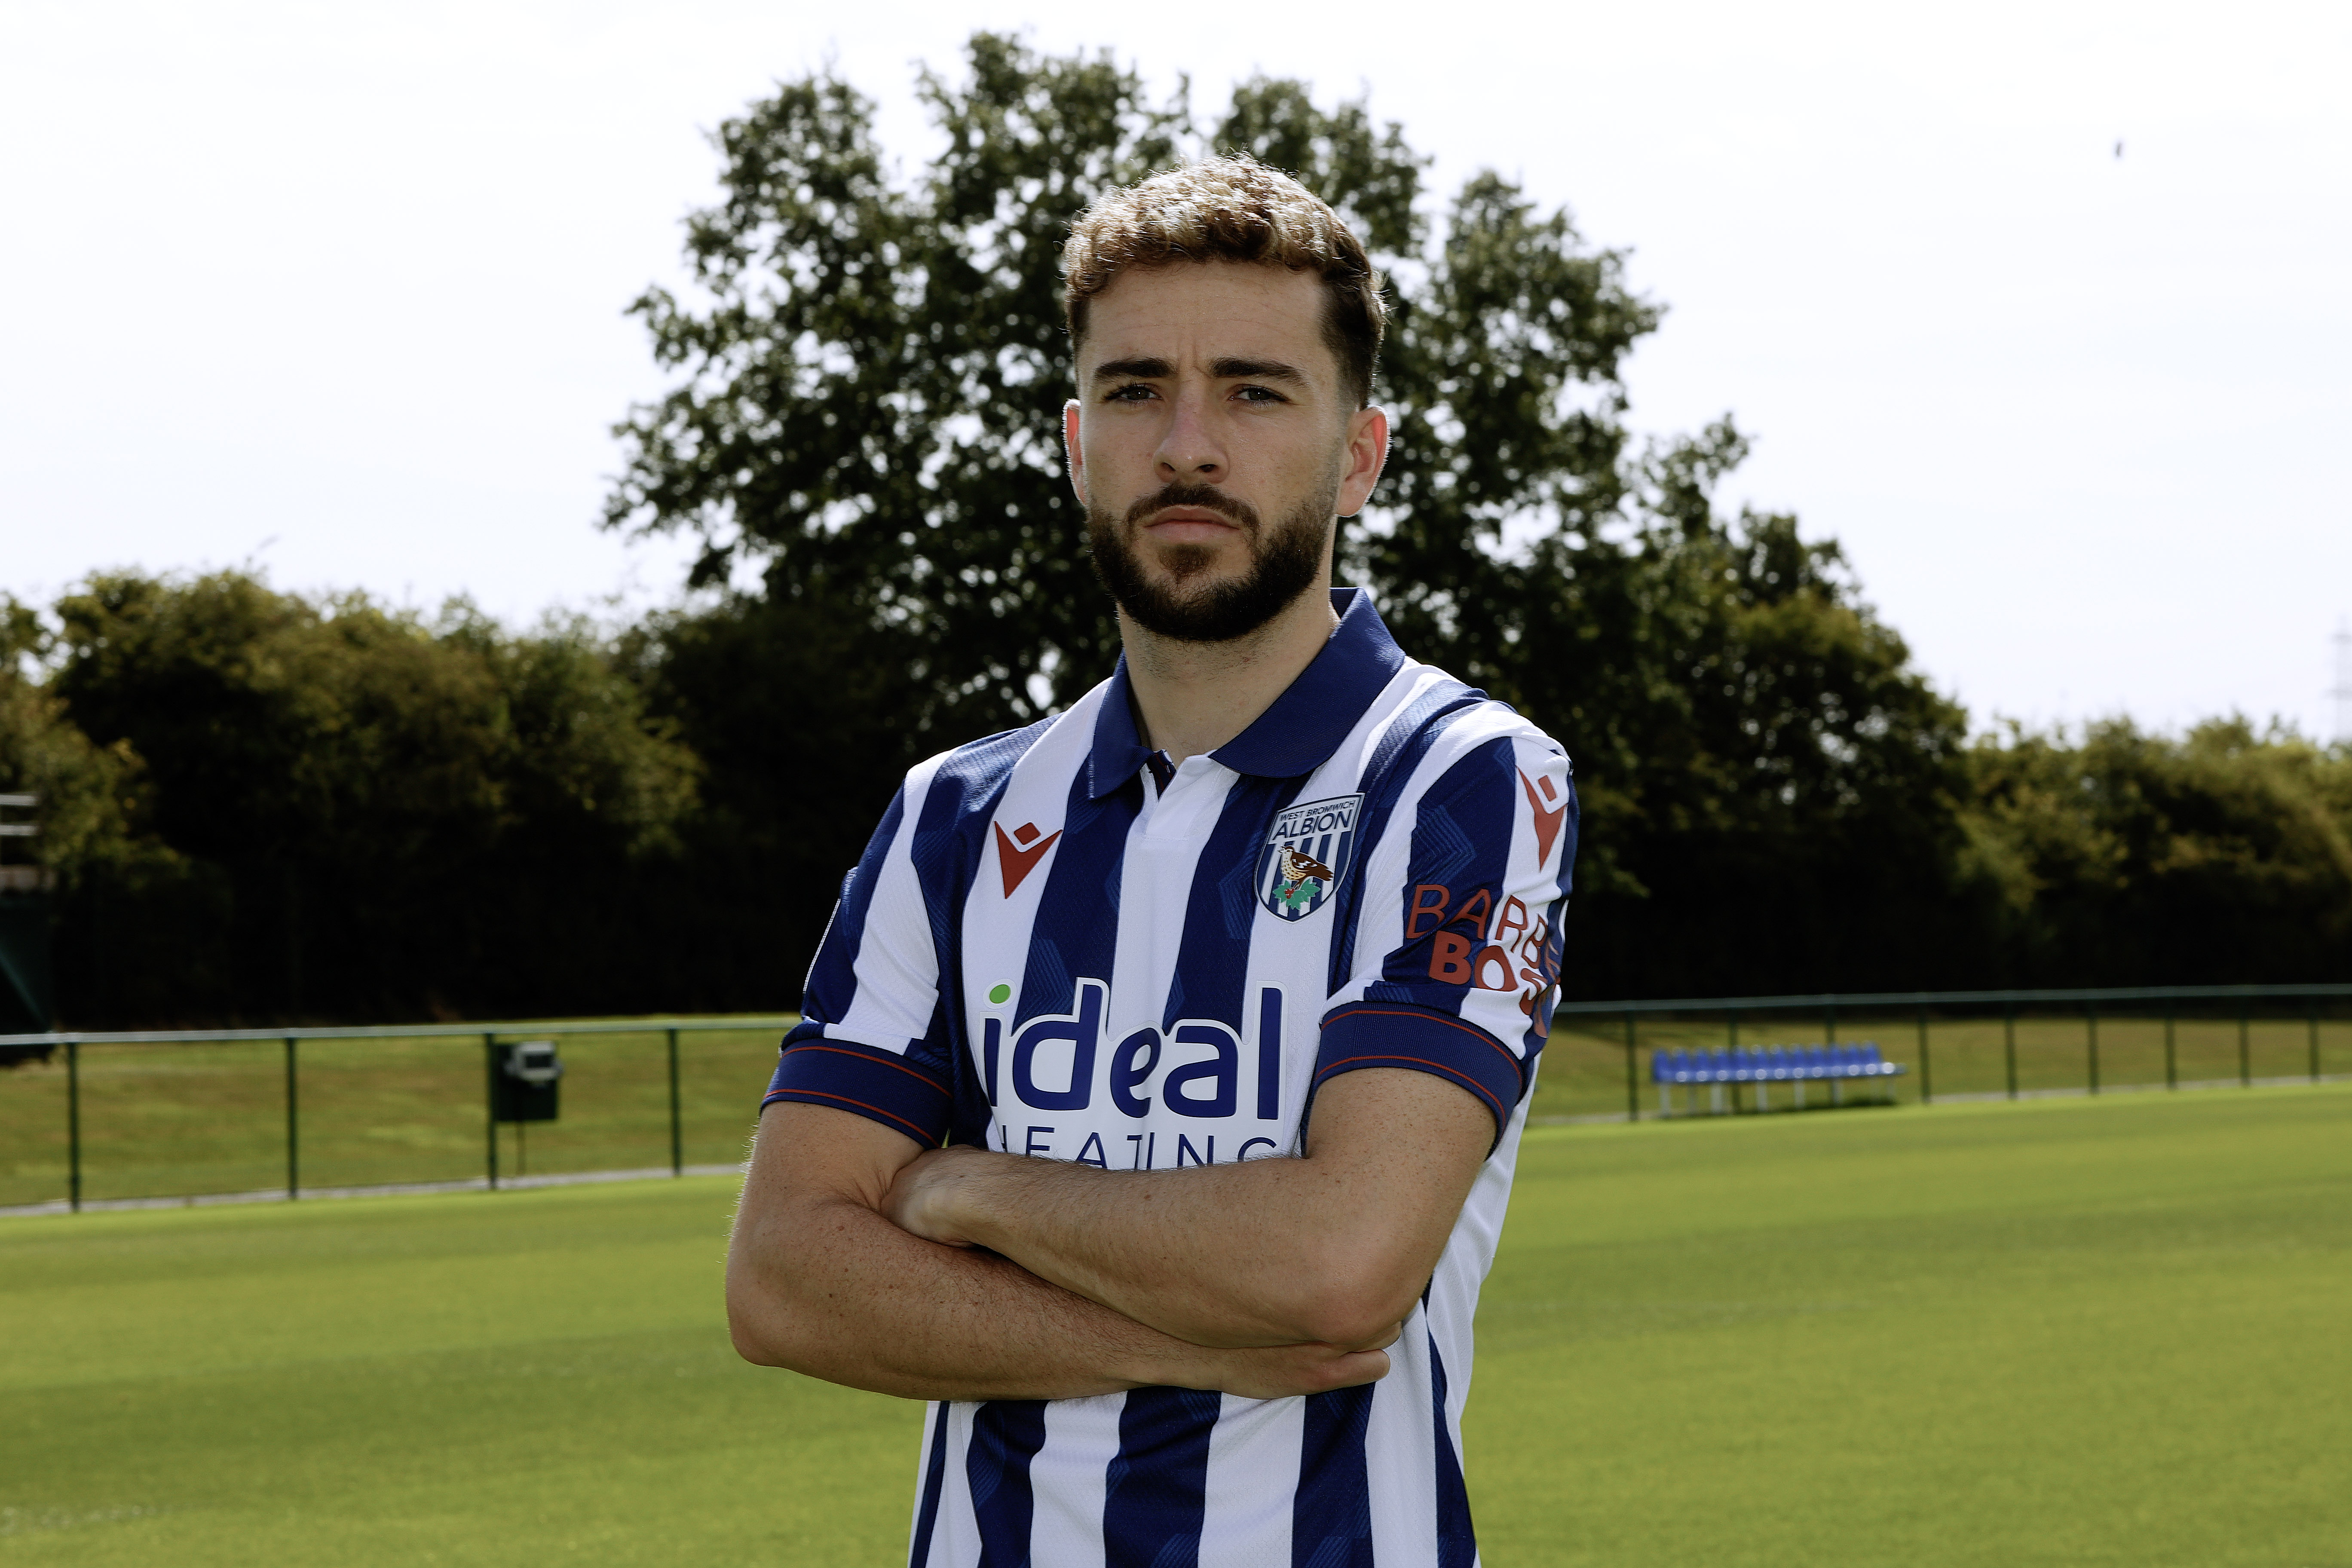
(338, 292)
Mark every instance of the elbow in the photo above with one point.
(750, 1344)
(788, 1302)
(751, 1328)
(1358, 1299)
(764, 1324)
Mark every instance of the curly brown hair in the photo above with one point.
(1232, 209)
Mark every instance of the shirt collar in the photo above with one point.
(1293, 737)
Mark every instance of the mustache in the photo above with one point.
(1208, 497)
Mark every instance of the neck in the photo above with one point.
(1192, 698)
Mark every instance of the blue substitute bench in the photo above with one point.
(1763, 1067)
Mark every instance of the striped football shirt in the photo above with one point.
(1060, 946)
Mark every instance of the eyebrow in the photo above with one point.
(1223, 370)
(1256, 370)
(1134, 370)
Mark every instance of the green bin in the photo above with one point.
(526, 1079)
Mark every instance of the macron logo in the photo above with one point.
(1018, 855)
(1548, 816)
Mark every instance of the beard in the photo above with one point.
(1283, 564)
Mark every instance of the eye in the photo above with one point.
(1133, 392)
(1259, 394)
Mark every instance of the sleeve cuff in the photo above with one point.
(866, 1080)
(1421, 1039)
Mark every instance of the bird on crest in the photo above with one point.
(1298, 870)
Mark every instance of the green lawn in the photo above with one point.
(2066, 1331)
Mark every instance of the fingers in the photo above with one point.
(1290, 1370)
(906, 1204)
(1358, 1367)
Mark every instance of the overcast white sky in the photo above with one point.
(336, 289)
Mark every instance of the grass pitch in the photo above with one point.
(2064, 1332)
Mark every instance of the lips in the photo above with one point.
(1191, 506)
(1192, 514)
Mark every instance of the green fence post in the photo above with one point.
(293, 1130)
(1926, 1074)
(1632, 1083)
(2091, 1018)
(2009, 1046)
(2246, 1054)
(490, 1100)
(2171, 1065)
(1734, 1042)
(677, 1129)
(2314, 1044)
(73, 1125)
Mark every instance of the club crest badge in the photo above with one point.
(1305, 855)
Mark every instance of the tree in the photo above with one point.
(873, 379)
(97, 802)
(2125, 859)
(91, 835)
(871, 372)
(874, 374)
(369, 817)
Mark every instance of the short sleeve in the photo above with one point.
(872, 1035)
(1463, 936)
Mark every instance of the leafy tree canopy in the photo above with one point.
(874, 370)
(871, 368)
(353, 800)
(2123, 857)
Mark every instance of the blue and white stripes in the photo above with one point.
(1047, 949)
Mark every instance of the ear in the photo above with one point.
(1368, 452)
(1077, 453)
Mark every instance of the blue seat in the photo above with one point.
(1764, 1066)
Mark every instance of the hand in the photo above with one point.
(920, 1199)
(1282, 1371)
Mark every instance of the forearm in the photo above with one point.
(1334, 1247)
(835, 1290)
(1241, 1255)
(819, 1281)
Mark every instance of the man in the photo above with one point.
(1164, 1064)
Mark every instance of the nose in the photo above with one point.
(1190, 450)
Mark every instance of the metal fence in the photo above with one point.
(161, 1114)
(2083, 1041)
(178, 1115)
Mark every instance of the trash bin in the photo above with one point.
(525, 1076)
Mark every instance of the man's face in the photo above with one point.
(1211, 445)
